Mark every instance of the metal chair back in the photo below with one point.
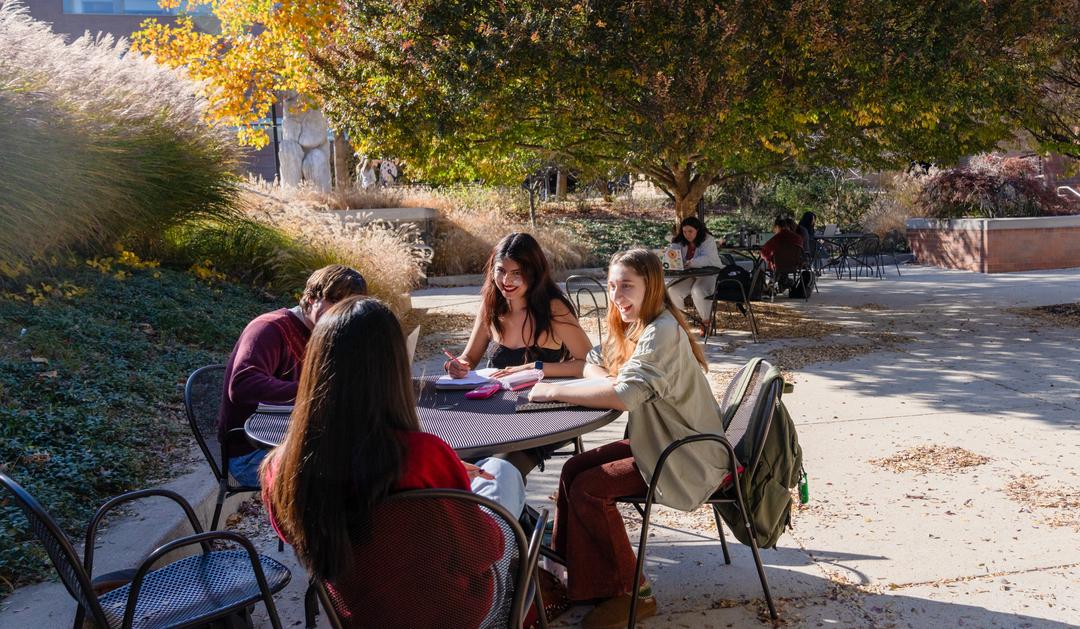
(582, 289)
(748, 412)
(60, 551)
(440, 557)
(202, 401)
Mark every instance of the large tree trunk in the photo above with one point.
(688, 189)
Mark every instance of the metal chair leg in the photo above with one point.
(579, 445)
(311, 605)
(753, 321)
(538, 600)
(720, 534)
(217, 508)
(639, 571)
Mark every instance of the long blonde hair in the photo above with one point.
(623, 337)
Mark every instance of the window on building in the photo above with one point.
(127, 7)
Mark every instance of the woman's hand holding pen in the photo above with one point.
(456, 367)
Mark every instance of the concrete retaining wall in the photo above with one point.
(997, 245)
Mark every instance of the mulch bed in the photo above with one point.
(1062, 315)
(932, 458)
(1064, 501)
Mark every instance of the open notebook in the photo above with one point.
(512, 382)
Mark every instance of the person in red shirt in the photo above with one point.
(265, 363)
(354, 438)
(784, 238)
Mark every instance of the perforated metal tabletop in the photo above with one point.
(474, 428)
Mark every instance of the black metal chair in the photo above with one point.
(188, 592)
(202, 402)
(579, 286)
(866, 254)
(892, 245)
(732, 291)
(416, 542)
(748, 422)
(789, 264)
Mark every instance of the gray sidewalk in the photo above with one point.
(933, 358)
(881, 548)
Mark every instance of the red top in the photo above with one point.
(432, 567)
(783, 238)
(264, 367)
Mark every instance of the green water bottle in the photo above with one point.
(804, 488)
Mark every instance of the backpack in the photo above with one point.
(765, 488)
(802, 288)
(744, 277)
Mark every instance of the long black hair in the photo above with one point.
(523, 249)
(695, 222)
(807, 221)
(342, 454)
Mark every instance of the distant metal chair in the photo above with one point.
(891, 246)
(202, 402)
(473, 541)
(583, 289)
(188, 592)
(732, 291)
(749, 417)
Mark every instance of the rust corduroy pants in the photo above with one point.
(589, 530)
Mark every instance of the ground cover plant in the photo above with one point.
(93, 357)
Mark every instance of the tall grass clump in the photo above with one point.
(99, 145)
(472, 219)
(282, 235)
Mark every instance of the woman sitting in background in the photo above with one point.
(653, 368)
(355, 438)
(698, 250)
(531, 322)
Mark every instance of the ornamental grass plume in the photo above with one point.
(98, 145)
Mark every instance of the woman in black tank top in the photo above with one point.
(527, 318)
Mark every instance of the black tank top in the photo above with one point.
(502, 356)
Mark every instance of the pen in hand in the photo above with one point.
(454, 361)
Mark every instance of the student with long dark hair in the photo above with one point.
(353, 439)
(698, 250)
(652, 367)
(528, 321)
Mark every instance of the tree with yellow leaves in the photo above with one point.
(261, 51)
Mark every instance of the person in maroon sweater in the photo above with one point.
(783, 238)
(354, 438)
(265, 363)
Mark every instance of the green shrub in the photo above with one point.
(991, 187)
(835, 195)
(92, 364)
(99, 145)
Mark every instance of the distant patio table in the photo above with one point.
(473, 428)
(843, 244)
(685, 274)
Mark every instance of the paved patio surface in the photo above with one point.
(933, 358)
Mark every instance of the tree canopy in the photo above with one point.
(688, 92)
(262, 49)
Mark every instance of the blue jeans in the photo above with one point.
(245, 468)
(508, 488)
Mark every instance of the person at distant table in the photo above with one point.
(265, 363)
(783, 241)
(699, 250)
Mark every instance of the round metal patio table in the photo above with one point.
(473, 428)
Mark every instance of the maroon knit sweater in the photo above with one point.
(264, 367)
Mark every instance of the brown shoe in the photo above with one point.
(614, 613)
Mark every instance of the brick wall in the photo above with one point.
(997, 245)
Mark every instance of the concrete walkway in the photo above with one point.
(881, 548)
(933, 358)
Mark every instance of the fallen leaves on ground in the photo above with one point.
(870, 307)
(1025, 490)
(802, 355)
(931, 458)
(435, 328)
(1061, 315)
(775, 321)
